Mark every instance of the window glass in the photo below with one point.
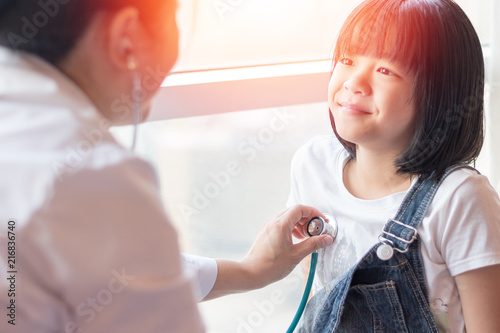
(222, 177)
(233, 33)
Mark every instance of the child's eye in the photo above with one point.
(346, 61)
(386, 71)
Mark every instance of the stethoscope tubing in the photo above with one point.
(307, 292)
(316, 226)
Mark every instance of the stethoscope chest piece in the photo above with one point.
(318, 226)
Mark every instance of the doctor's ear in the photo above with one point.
(126, 46)
(124, 31)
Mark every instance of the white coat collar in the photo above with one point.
(30, 79)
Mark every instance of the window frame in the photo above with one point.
(209, 92)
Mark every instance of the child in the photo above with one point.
(406, 103)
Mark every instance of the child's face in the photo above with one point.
(371, 102)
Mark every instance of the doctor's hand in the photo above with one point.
(273, 254)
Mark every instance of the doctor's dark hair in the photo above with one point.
(435, 41)
(51, 28)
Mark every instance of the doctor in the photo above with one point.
(84, 241)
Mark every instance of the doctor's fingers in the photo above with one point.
(297, 215)
(311, 244)
(299, 233)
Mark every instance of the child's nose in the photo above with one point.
(358, 84)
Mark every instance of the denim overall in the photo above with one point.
(377, 295)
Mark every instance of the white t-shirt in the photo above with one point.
(92, 247)
(460, 230)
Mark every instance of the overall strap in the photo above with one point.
(401, 231)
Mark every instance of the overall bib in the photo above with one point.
(382, 295)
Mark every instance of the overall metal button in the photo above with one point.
(385, 252)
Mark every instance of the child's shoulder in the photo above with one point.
(467, 185)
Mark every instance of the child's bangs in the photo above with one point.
(384, 30)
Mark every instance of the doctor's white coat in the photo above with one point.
(90, 246)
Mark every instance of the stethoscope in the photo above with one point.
(315, 227)
(318, 226)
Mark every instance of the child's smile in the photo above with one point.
(371, 101)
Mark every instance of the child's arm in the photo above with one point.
(480, 294)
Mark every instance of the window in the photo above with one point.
(222, 177)
(249, 89)
(233, 33)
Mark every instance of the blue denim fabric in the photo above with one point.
(382, 296)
